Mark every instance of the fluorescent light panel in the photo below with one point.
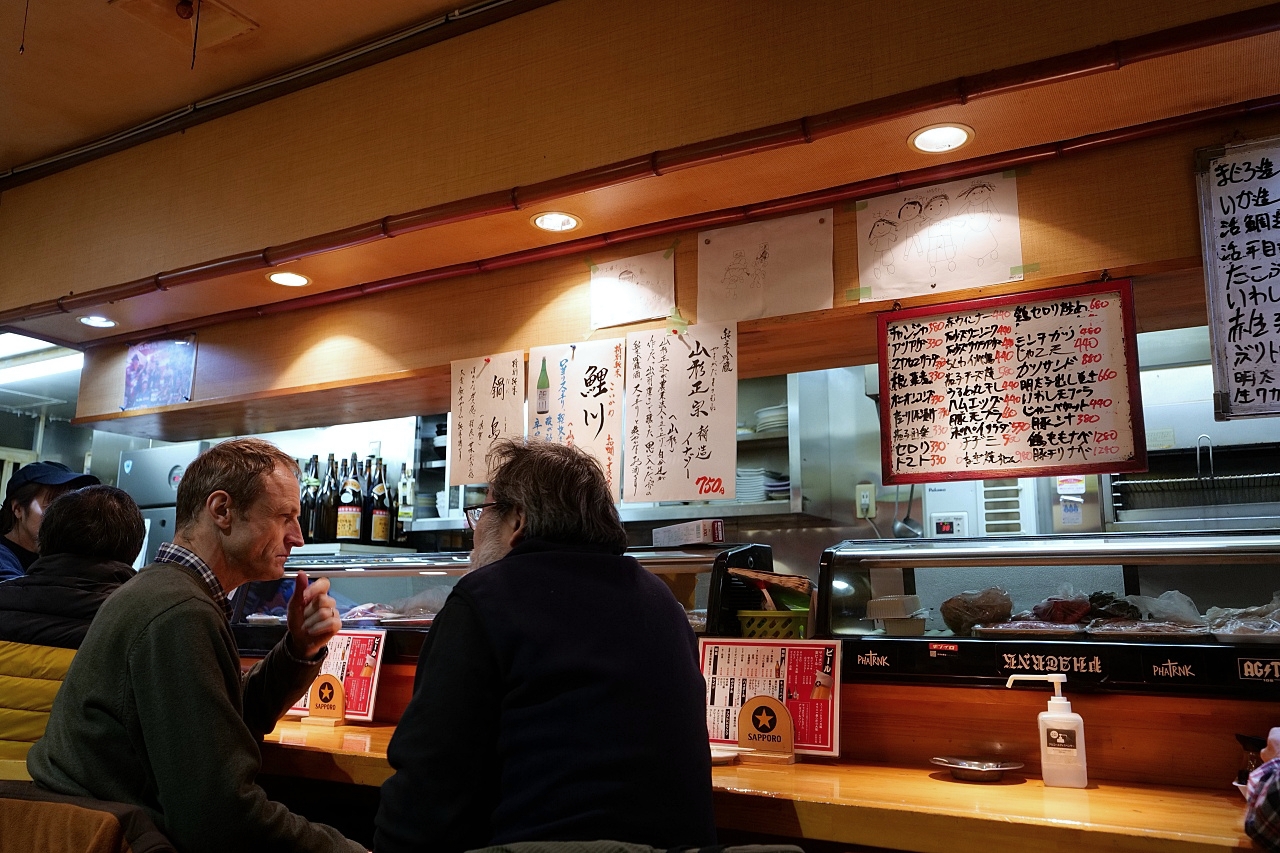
(38, 369)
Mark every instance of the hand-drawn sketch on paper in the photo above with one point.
(765, 269)
(578, 399)
(682, 404)
(630, 290)
(487, 397)
(951, 236)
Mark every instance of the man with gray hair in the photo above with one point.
(558, 695)
(154, 711)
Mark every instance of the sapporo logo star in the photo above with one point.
(326, 692)
(764, 720)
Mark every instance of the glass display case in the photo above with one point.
(1193, 612)
(402, 593)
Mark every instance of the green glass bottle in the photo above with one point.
(544, 391)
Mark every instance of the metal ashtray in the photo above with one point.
(976, 769)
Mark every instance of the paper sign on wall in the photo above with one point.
(1240, 230)
(629, 290)
(682, 404)
(487, 397)
(577, 399)
(802, 674)
(950, 236)
(355, 659)
(766, 269)
(1030, 384)
(159, 373)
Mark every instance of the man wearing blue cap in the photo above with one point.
(31, 488)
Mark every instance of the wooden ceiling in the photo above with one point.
(92, 68)
(95, 91)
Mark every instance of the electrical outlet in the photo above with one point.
(866, 502)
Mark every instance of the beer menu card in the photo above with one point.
(804, 675)
(1032, 384)
(355, 658)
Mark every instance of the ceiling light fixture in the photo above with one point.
(289, 279)
(39, 369)
(12, 344)
(97, 321)
(940, 138)
(554, 221)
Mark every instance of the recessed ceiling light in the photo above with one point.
(556, 221)
(289, 279)
(98, 321)
(938, 138)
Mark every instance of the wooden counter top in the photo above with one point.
(901, 808)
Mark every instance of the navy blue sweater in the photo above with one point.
(557, 698)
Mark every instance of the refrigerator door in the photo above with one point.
(151, 476)
(159, 529)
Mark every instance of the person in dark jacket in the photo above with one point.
(558, 695)
(88, 541)
(30, 490)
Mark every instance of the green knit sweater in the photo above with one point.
(154, 712)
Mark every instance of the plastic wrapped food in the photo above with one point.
(1062, 611)
(989, 606)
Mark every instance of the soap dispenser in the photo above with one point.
(1062, 761)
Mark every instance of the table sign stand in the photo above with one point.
(766, 734)
(328, 705)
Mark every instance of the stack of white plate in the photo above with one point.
(771, 419)
(750, 485)
(777, 487)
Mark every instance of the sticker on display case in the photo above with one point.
(355, 659)
(1259, 669)
(804, 675)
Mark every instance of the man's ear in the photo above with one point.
(218, 506)
(518, 522)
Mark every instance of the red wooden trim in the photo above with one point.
(1123, 288)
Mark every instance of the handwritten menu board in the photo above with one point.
(488, 404)
(355, 659)
(804, 675)
(1240, 228)
(576, 398)
(682, 404)
(1013, 386)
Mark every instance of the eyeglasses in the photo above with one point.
(473, 513)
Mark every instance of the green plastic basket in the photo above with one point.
(773, 624)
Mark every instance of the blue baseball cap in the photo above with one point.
(48, 474)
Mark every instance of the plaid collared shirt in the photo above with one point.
(1262, 819)
(170, 553)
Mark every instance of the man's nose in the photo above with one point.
(293, 537)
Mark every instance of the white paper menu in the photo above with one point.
(682, 404)
(1240, 230)
(580, 403)
(487, 397)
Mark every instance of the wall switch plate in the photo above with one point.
(866, 500)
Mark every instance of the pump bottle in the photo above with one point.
(1062, 760)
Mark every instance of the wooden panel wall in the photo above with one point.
(1170, 740)
(1129, 210)
(575, 84)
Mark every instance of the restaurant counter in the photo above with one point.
(897, 808)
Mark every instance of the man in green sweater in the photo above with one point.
(154, 711)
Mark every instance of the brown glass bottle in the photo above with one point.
(310, 499)
(379, 505)
(327, 504)
(350, 504)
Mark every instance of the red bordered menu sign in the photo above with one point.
(355, 658)
(1032, 384)
(802, 674)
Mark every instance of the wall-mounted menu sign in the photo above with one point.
(682, 405)
(488, 404)
(577, 399)
(1240, 230)
(1030, 384)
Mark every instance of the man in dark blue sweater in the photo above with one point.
(558, 695)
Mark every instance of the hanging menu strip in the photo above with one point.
(1013, 386)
